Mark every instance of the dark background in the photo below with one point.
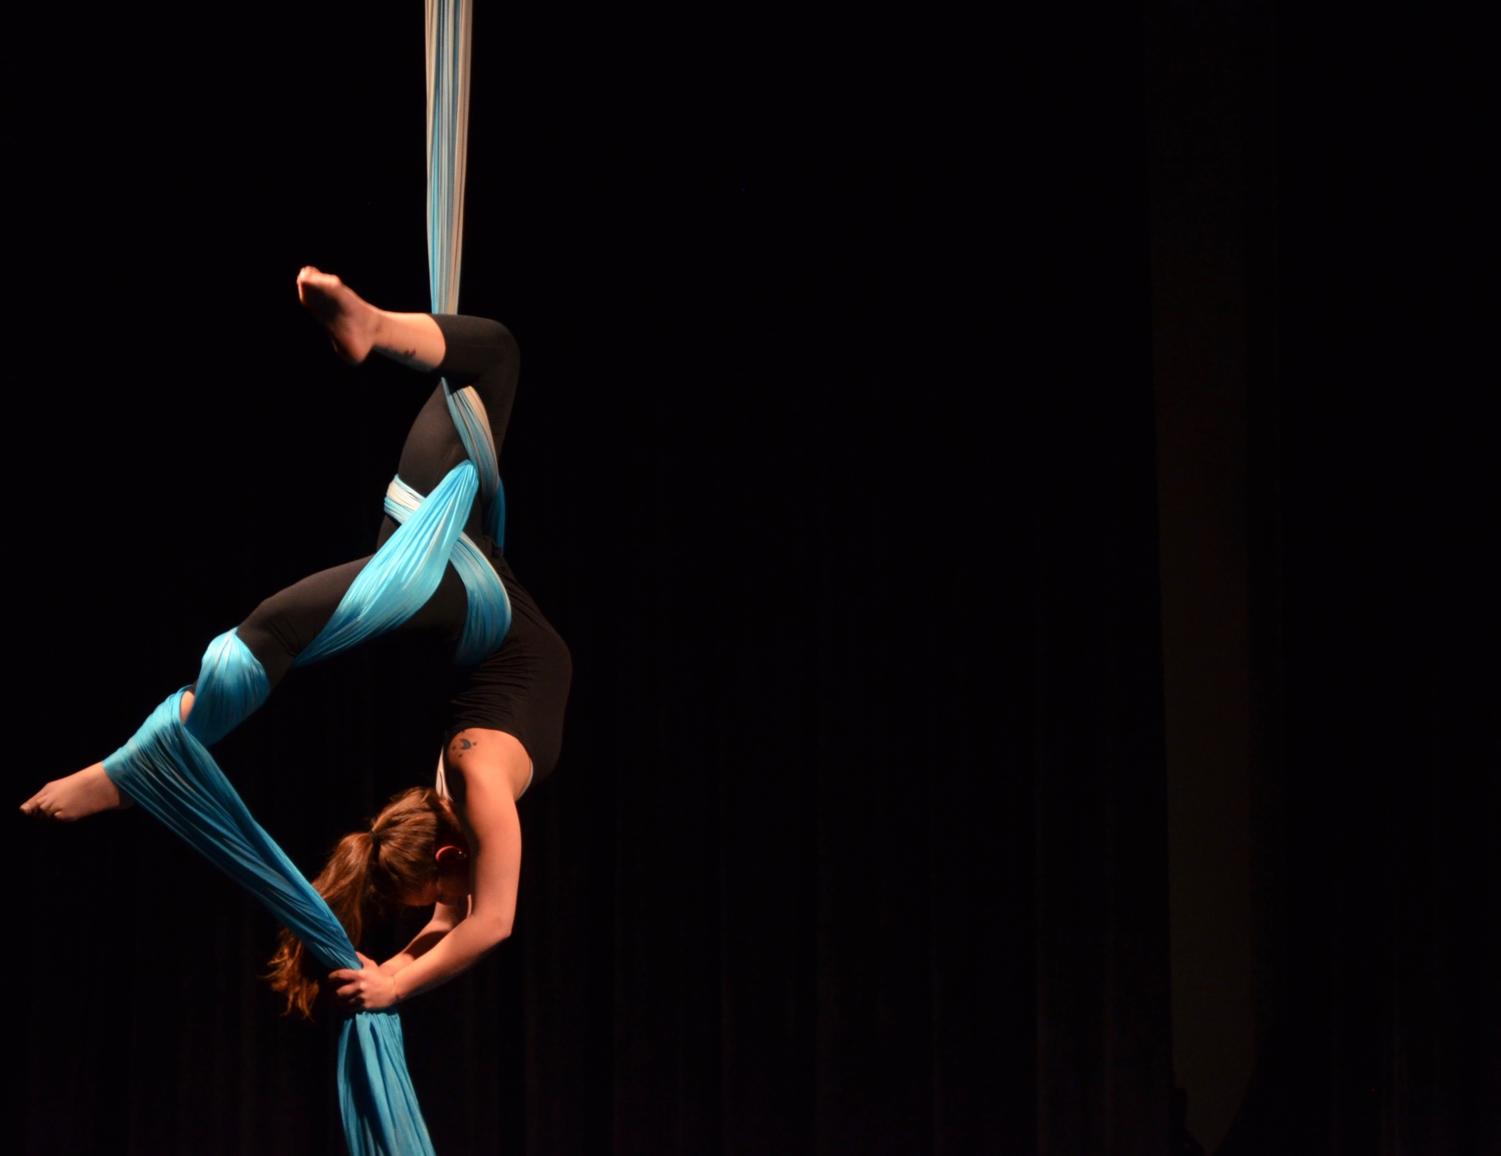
(890, 393)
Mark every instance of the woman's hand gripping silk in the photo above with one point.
(368, 989)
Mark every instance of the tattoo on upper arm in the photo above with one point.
(458, 747)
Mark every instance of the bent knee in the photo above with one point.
(272, 636)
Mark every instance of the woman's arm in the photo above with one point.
(489, 808)
(445, 919)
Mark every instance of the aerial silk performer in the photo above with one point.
(439, 570)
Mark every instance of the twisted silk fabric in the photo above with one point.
(166, 767)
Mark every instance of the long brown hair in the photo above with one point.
(368, 873)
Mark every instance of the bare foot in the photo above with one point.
(351, 321)
(81, 794)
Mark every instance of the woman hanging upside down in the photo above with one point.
(456, 845)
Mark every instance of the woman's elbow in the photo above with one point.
(494, 931)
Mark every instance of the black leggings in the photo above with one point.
(283, 625)
(478, 352)
(523, 687)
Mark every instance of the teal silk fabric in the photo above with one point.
(167, 770)
(166, 767)
(169, 773)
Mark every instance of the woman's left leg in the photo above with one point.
(275, 633)
(85, 792)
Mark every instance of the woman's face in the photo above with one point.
(451, 885)
(425, 897)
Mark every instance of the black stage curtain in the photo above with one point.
(1316, 204)
(835, 462)
(1374, 691)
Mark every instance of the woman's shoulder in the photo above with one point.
(485, 764)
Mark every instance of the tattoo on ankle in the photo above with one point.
(399, 354)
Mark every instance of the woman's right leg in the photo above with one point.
(358, 328)
(469, 347)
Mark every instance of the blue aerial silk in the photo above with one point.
(166, 767)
